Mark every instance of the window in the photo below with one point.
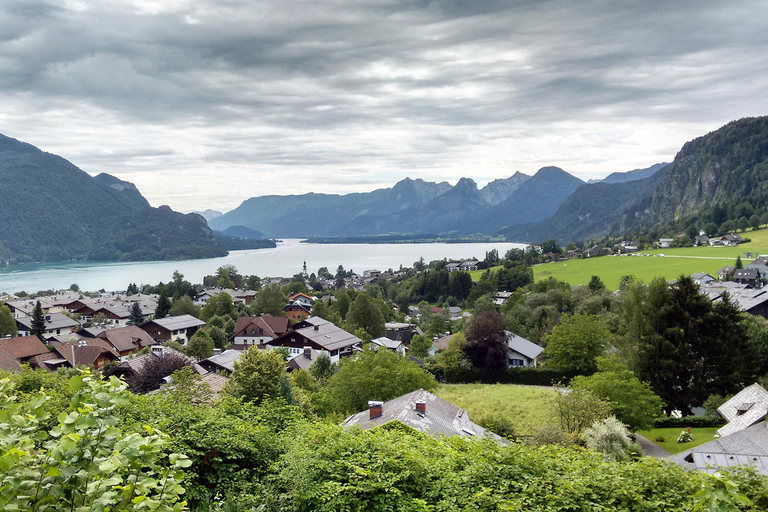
(516, 362)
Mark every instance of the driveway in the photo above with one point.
(650, 448)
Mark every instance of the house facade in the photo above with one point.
(320, 336)
(179, 328)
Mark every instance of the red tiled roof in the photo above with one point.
(8, 363)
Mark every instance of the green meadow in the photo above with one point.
(647, 265)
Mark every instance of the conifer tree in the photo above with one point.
(163, 304)
(136, 317)
(739, 264)
(38, 321)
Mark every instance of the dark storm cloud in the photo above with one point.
(375, 88)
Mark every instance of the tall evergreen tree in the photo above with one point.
(38, 321)
(739, 264)
(136, 317)
(163, 304)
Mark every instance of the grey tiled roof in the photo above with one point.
(328, 336)
(440, 419)
(226, 359)
(745, 447)
(174, 323)
(755, 395)
(523, 346)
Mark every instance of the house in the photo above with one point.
(760, 263)
(302, 298)
(179, 328)
(700, 278)
(469, 265)
(439, 344)
(453, 267)
(402, 331)
(125, 341)
(81, 354)
(743, 440)
(701, 240)
(665, 243)
(257, 330)
(500, 298)
(521, 352)
(748, 276)
(748, 299)
(22, 349)
(725, 272)
(302, 361)
(421, 411)
(55, 323)
(223, 363)
(389, 344)
(239, 295)
(319, 335)
(297, 311)
(598, 251)
(573, 253)
(732, 240)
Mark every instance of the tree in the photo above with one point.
(754, 221)
(253, 283)
(689, 348)
(739, 264)
(270, 300)
(577, 409)
(74, 287)
(322, 368)
(200, 345)
(609, 436)
(132, 289)
(454, 355)
(743, 224)
(183, 305)
(633, 402)
(136, 316)
(38, 322)
(223, 278)
(596, 285)
(375, 375)
(7, 323)
(186, 387)
(487, 341)
(363, 313)
(257, 375)
(420, 345)
(155, 369)
(219, 305)
(163, 304)
(576, 342)
(99, 319)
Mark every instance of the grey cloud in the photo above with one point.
(381, 87)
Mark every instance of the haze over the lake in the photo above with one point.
(203, 104)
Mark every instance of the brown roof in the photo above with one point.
(8, 363)
(86, 355)
(23, 347)
(268, 324)
(39, 359)
(127, 338)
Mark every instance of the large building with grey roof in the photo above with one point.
(421, 411)
(320, 335)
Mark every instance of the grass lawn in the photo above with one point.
(648, 265)
(700, 435)
(527, 407)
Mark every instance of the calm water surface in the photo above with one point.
(285, 260)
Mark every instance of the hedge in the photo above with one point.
(690, 421)
(529, 376)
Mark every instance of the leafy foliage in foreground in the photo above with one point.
(87, 462)
(244, 456)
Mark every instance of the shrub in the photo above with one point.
(685, 437)
(660, 439)
(609, 436)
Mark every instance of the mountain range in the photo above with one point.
(723, 169)
(52, 211)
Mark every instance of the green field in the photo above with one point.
(700, 435)
(647, 265)
(527, 407)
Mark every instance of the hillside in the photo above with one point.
(590, 212)
(637, 174)
(54, 211)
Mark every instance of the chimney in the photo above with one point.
(317, 327)
(308, 353)
(421, 406)
(376, 409)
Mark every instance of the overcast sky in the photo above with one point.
(203, 104)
